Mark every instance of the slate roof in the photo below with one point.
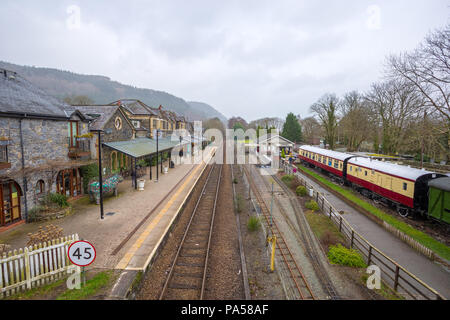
(100, 113)
(19, 96)
(135, 106)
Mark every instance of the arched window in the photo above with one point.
(113, 161)
(40, 187)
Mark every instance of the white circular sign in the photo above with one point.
(81, 253)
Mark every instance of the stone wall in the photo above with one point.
(44, 141)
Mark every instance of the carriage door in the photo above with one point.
(10, 205)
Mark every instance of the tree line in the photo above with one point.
(406, 112)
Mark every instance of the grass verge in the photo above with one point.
(424, 239)
(384, 290)
(92, 286)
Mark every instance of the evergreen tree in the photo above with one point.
(292, 129)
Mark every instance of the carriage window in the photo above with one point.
(336, 164)
(365, 172)
(351, 168)
(373, 171)
(405, 186)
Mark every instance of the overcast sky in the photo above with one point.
(248, 58)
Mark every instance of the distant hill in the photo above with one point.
(102, 89)
(206, 111)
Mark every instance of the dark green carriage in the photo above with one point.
(439, 199)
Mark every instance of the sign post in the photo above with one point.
(82, 253)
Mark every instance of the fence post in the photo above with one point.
(353, 236)
(397, 270)
(340, 223)
(330, 212)
(26, 258)
(369, 255)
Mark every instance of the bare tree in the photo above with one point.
(326, 109)
(427, 69)
(356, 122)
(78, 100)
(311, 130)
(395, 104)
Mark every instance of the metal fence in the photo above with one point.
(34, 266)
(394, 275)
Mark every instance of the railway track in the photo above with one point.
(298, 284)
(187, 275)
(305, 234)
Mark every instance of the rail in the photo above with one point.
(192, 232)
(398, 278)
(294, 270)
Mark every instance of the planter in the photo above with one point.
(165, 170)
(141, 183)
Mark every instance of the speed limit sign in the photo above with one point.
(81, 253)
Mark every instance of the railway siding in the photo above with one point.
(396, 275)
(393, 228)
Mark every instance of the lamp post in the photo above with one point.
(100, 173)
(157, 154)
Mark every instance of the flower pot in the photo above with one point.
(141, 183)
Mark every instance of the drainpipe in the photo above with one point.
(25, 187)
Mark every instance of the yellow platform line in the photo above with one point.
(133, 249)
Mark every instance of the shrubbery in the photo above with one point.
(253, 223)
(287, 178)
(312, 205)
(56, 198)
(346, 257)
(89, 172)
(301, 191)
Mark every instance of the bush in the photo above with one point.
(253, 223)
(346, 257)
(235, 181)
(312, 205)
(239, 203)
(287, 178)
(56, 198)
(89, 172)
(33, 212)
(301, 191)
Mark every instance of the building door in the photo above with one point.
(10, 203)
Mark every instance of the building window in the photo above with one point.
(136, 123)
(405, 186)
(72, 128)
(39, 187)
(3, 154)
(113, 161)
(154, 123)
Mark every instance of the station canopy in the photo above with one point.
(141, 147)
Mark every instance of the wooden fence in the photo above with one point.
(394, 275)
(34, 266)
